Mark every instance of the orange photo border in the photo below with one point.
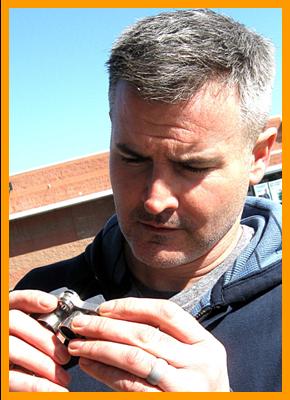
(5, 6)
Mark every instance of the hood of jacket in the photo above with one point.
(259, 267)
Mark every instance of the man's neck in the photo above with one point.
(183, 276)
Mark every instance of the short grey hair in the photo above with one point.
(171, 56)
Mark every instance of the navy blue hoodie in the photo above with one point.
(242, 310)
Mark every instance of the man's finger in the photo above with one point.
(143, 336)
(164, 314)
(115, 378)
(31, 359)
(32, 301)
(31, 331)
(131, 359)
(21, 382)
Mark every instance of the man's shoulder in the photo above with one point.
(59, 274)
(85, 272)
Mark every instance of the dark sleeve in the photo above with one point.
(74, 273)
(89, 273)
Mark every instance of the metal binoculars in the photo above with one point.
(69, 306)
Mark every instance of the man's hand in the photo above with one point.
(35, 353)
(130, 337)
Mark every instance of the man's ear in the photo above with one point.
(262, 150)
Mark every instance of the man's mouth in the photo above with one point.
(158, 228)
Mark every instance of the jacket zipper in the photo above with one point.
(204, 313)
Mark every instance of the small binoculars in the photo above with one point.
(69, 306)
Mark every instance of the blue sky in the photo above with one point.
(58, 79)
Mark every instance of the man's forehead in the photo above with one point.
(214, 89)
(213, 105)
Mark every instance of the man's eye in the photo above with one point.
(132, 160)
(195, 170)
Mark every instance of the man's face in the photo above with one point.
(179, 174)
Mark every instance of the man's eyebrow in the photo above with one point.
(187, 158)
(198, 159)
(125, 149)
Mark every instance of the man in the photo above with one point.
(190, 266)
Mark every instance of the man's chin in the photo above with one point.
(162, 259)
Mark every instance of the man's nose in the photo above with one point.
(159, 197)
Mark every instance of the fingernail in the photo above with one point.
(74, 345)
(106, 307)
(47, 302)
(80, 321)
